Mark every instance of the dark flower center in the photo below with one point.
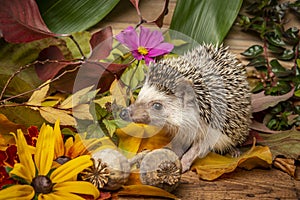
(62, 159)
(42, 184)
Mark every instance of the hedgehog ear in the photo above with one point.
(185, 91)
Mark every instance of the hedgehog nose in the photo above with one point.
(124, 114)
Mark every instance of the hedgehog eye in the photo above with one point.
(157, 106)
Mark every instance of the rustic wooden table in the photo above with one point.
(240, 184)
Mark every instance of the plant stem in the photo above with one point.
(38, 88)
(15, 74)
(78, 46)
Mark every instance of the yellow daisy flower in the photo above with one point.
(73, 148)
(43, 181)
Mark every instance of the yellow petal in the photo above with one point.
(21, 171)
(78, 187)
(59, 195)
(68, 145)
(70, 169)
(23, 192)
(77, 149)
(25, 155)
(59, 148)
(44, 150)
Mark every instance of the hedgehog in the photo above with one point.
(201, 98)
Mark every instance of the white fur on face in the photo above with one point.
(172, 106)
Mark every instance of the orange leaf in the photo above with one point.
(145, 190)
(214, 165)
(6, 127)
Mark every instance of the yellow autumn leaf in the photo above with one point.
(82, 111)
(135, 138)
(39, 95)
(118, 93)
(102, 101)
(53, 100)
(74, 100)
(51, 115)
(145, 190)
(214, 165)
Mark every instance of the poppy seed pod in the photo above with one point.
(110, 171)
(161, 168)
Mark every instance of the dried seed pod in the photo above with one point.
(110, 171)
(161, 168)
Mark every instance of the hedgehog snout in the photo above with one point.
(133, 114)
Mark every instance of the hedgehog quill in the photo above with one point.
(202, 98)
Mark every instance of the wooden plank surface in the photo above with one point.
(240, 184)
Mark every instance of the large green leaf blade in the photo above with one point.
(68, 16)
(205, 20)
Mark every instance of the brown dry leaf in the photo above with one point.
(145, 190)
(285, 164)
(135, 138)
(51, 115)
(6, 127)
(39, 95)
(214, 165)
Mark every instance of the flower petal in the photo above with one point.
(77, 149)
(22, 171)
(137, 55)
(59, 147)
(148, 60)
(70, 169)
(160, 49)
(25, 155)
(78, 187)
(150, 39)
(129, 37)
(68, 144)
(59, 195)
(44, 150)
(17, 192)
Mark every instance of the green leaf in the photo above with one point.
(297, 93)
(82, 38)
(258, 61)
(110, 126)
(253, 51)
(288, 54)
(23, 115)
(276, 41)
(68, 16)
(284, 143)
(205, 21)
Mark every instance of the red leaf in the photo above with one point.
(90, 73)
(135, 3)
(160, 19)
(50, 69)
(261, 101)
(101, 43)
(20, 21)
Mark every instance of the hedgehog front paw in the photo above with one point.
(186, 163)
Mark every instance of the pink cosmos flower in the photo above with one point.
(146, 45)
